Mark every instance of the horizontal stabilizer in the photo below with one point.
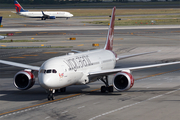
(133, 55)
(113, 71)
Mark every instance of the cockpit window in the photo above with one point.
(48, 71)
(54, 71)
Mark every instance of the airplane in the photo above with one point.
(42, 15)
(1, 37)
(81, 68)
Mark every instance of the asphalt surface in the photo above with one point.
(155, 94)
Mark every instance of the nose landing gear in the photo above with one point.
(50, 94)
(52, 91)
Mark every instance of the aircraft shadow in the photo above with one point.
(40, 94)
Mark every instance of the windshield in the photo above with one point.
(48, 71)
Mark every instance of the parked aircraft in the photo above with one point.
(2, 37)
(80, 68)
(41, 14)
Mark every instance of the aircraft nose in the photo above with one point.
(48, 82)
(71, 15)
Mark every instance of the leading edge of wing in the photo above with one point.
(36, 68)
(113, 71)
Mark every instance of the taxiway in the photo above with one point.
(155, 94)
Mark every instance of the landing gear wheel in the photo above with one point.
(106, 87)
(63, 89)
(110, 89)
(50, 95)
(103, 89)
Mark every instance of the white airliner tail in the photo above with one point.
(110, 35)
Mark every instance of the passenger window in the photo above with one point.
(48, 71)
(44, 71)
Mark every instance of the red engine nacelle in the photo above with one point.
(123, 81)
(24, 80)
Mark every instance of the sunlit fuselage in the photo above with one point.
(59, 72)
(39, 14)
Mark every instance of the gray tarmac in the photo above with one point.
(155, 94)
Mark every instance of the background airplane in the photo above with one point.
(80, 68)
(42, 15)
(2, 37)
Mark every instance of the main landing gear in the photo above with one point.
(43, 18)
(106, 87)
(62, 90)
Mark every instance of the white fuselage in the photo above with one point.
(39, 14)
(2, 37)
(59, 72)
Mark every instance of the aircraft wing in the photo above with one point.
(133, 55)
(20, 65)
(113, 71)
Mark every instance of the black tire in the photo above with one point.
(48, 98)
(52, 97)
(103, 89)
(110, 89)
(63, 89)
(57, 90)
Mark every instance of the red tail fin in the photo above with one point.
(110, 35)
(18, 7)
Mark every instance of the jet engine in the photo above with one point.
(52, 17)
(123, 81)
(24, 80)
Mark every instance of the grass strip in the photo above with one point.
(135, 17)
(101, 12)
(139, 22)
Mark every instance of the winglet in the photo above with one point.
(18, 7)
(110, 35)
